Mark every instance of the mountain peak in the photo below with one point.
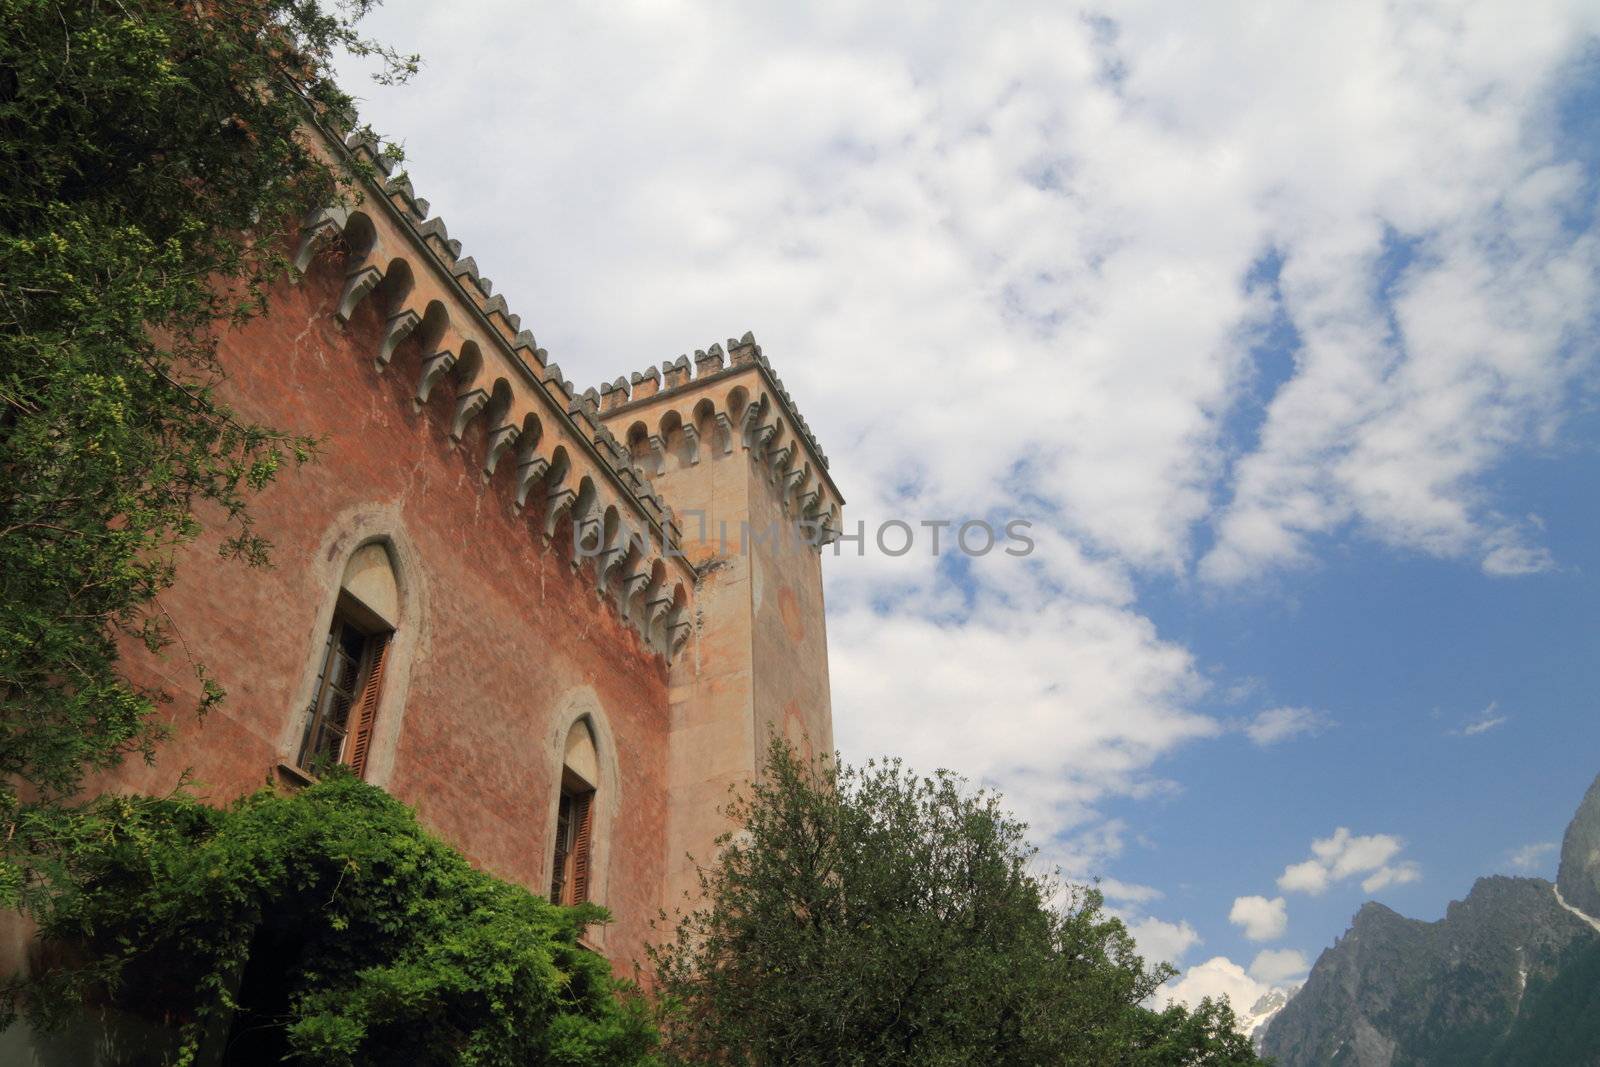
(1509, 975)
(1579, 877)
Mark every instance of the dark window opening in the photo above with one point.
(569, 878)
(345, 699)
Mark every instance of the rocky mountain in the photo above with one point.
(1579, 875)
(1253, 1023)
(1510, 975)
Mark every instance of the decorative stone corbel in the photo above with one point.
(500, 439)
(530, 469)
(433, 368)
(747, 423)
(400, 326)
(657, 605)
(779, 458)
(634, 581)
(468, 405)
(658, 449)
(560, 501)
(322, 225)
(692, 435)
(725, 424)
(357, 285)
(680, 635)
(605, 559)
(587, 532)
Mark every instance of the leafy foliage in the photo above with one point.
(151, 158)
(872, 916)
(330, 929)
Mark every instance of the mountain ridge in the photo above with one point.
(1497, 980)
(1578, 877)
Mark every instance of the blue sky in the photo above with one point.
(1401, 653)
(1278, 321)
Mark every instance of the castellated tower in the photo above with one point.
(748, 485)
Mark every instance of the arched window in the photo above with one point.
(574, 846)
(344, 701)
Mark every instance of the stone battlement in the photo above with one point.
(771, 423)
(682, 374)
(402, 284)
(724, 398)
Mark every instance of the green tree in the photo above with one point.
(324, 927)
(874, 916)
(153, 156)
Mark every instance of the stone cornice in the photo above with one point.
(408, 218)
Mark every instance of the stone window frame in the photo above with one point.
(583, 706)
(347, 535)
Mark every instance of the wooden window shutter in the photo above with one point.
(366, 710)
(584, 816)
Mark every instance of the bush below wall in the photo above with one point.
(321, 927)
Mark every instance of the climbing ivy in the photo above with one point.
(323, 927)
(153, 156)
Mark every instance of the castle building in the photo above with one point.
(559, 625)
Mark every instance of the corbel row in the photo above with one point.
(800, 491)
(545, 476)
(782, 460)
(680, 374)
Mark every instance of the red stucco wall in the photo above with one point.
(508, 632)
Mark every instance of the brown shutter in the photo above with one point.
(366, 709)
(580, 848)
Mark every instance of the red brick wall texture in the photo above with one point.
(501, 642)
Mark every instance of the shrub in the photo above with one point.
(325, 927)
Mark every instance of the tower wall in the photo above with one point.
(789, 641)
(727, 455)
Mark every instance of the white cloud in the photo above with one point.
(1062, 710)
(1127, 892)
(1275, 966)
(1483, 722)
(1163, 942)
(1510, 557)
(1528, 857)
(1049, 212)
(1280, 724)
(1260, 919)
(1383, 877)
(1217, 978)
(1345, 855)
(1000, 281)
(1276, 971)
(1309, 876)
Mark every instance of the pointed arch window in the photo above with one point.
(343, 711)
(571, 869)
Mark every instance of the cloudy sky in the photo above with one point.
(1277, 321)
